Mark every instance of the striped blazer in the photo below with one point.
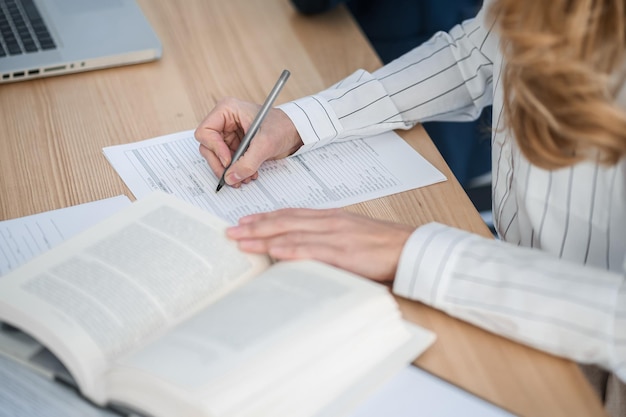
(555, 278)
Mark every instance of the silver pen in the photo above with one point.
(256, 123)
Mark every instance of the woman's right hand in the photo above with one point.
(223, 128)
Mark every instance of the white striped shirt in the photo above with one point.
(556, 279)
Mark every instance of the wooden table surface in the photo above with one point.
(54, 129)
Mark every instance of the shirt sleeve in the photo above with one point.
(448, 77)
(574, 311)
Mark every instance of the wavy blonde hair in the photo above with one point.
(564, 67)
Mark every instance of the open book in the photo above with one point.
(155, 310)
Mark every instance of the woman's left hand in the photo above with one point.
(367, 247)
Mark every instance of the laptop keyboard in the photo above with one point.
(22, 30)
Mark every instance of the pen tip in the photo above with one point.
(219, 187)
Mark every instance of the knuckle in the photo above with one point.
(227, 102)
(336, 222)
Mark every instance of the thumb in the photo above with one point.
(261, 149)
(242, 169)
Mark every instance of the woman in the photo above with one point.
(556, 278)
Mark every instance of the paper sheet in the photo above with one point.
(22, 390)
(23, 238)
(414, 392)
(26, 393)
(336, 175)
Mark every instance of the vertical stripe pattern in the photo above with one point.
(556, 277)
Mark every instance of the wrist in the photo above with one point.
(293, 136)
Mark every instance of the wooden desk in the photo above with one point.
(53, 131)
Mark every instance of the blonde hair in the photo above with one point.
(562, 73)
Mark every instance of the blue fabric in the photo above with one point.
(397, 26)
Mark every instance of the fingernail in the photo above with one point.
(233, 178)
(233, 231)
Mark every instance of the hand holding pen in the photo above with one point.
(222, 132)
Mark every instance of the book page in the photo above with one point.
(289, 341)
(336, 175)
(21, 239)
(123, 282)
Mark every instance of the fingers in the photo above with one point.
(265, 232)
(358, 244)
(212, 159)
(214, 148)
(296, 234)
(221, 132)
(293, 234)
(243, 170)
(273, 141)
(291, 247)
(263, 225)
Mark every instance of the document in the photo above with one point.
(23, 238)
(414, 391)
(336, 175)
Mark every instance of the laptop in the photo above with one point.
(40, 38)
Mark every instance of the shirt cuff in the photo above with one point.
(427, 261)
(315, 121)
